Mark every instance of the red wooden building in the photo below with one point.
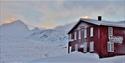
(97, 36)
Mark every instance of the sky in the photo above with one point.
(52, 13)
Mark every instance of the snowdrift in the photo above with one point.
(77, 57)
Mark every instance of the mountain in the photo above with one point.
(122, 22)
(14, 29)
(57, 35)
(18, 44)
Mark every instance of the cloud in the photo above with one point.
(59, 12)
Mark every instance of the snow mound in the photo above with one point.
(78, 57)
(75, 57)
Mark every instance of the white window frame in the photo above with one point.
(70, 37)
(110, 31)
(91, 31)
(91, 46)
(110, 46)
(75, 35)
(79, 34)
(85, 33)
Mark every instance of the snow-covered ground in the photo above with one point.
(77, 57)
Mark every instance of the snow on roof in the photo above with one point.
(96, 22)
(106, 23)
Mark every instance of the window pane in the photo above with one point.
(110, 47)
(110, 31)
(91, 31)
(79, 34)
(91, 46)
(75, 35)
(85, 33)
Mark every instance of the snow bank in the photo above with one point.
(77, 57)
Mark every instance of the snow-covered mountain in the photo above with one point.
(19, 44)
(14, 29)
(122, 22)
(58, 34)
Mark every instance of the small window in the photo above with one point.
(91, 32)
(75, 35)
(85, 47)
(70, 37)
(79, 34)
(85, 33)
(110, 47)
(110, 31)
(91, 46)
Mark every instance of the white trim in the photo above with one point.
(70, 37)
(75, 35)
(79, 37)
(85, 32)
(91, 46)
(110, 31)
(91, 32)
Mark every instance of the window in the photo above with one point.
(110, 31)
(85, 33)
(91, 46)
(110, 47)
(85, 47)
(91, 32)
(79, 34)
(75, 35)
(70, 37)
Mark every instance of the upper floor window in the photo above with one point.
(79, 33)
(85, 32)
(75, 35)
(110, 31)
(71, 37)
(91, 32)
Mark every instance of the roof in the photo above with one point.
(99, 23)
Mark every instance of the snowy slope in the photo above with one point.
(16, 47)
(77, 57)
(57, 35)
(14, 29)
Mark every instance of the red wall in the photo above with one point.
(100, 40)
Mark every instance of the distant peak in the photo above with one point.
(18, 21)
